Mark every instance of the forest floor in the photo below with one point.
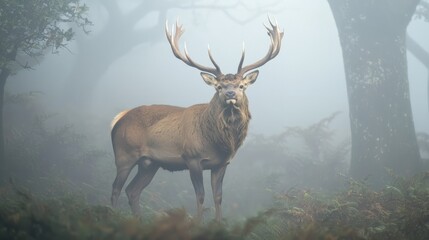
(397, 211)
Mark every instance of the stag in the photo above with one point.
(199, 137)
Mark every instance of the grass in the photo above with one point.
(25, 216)
(398, 211)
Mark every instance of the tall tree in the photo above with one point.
(29, 28)
(372, 36)
(119, 35)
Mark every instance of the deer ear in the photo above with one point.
(209, 79)
(251, 77)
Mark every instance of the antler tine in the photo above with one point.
(275, 36)
(271, 22)
(279, 35)
(275, 43)
(243, 53)
(174, 37)
(212, 59)
(172, 42)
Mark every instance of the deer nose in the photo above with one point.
(230, 94)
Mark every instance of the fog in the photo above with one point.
(135, 79)
(303, 84)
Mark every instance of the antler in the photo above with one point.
(276, 37)
(173, 39)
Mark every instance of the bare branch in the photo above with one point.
(111, 6)
(257, 11)
(206, 6)
(139, 12)
(418, 51)
(421, 54)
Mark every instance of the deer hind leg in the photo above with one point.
(196, 173)
(145, 174)
(121, 176)
(125, 162)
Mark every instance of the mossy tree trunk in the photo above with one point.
(372, 36)
(4, 74)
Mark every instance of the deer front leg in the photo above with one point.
(217, 175)
(196, 172)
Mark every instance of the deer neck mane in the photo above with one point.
(227, 125)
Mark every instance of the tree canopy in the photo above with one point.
(30, 27)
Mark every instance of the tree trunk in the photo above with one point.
(94, 57)
(4, 74)
(97, 53)
(372, 36)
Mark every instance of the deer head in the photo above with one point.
(230, 88)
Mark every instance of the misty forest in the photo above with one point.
(336, 145)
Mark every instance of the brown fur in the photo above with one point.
(173, 138)
(222, 129)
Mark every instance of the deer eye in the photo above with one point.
(241, 86)
(219, 87)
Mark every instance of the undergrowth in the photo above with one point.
(25, 216)
(398, 211)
